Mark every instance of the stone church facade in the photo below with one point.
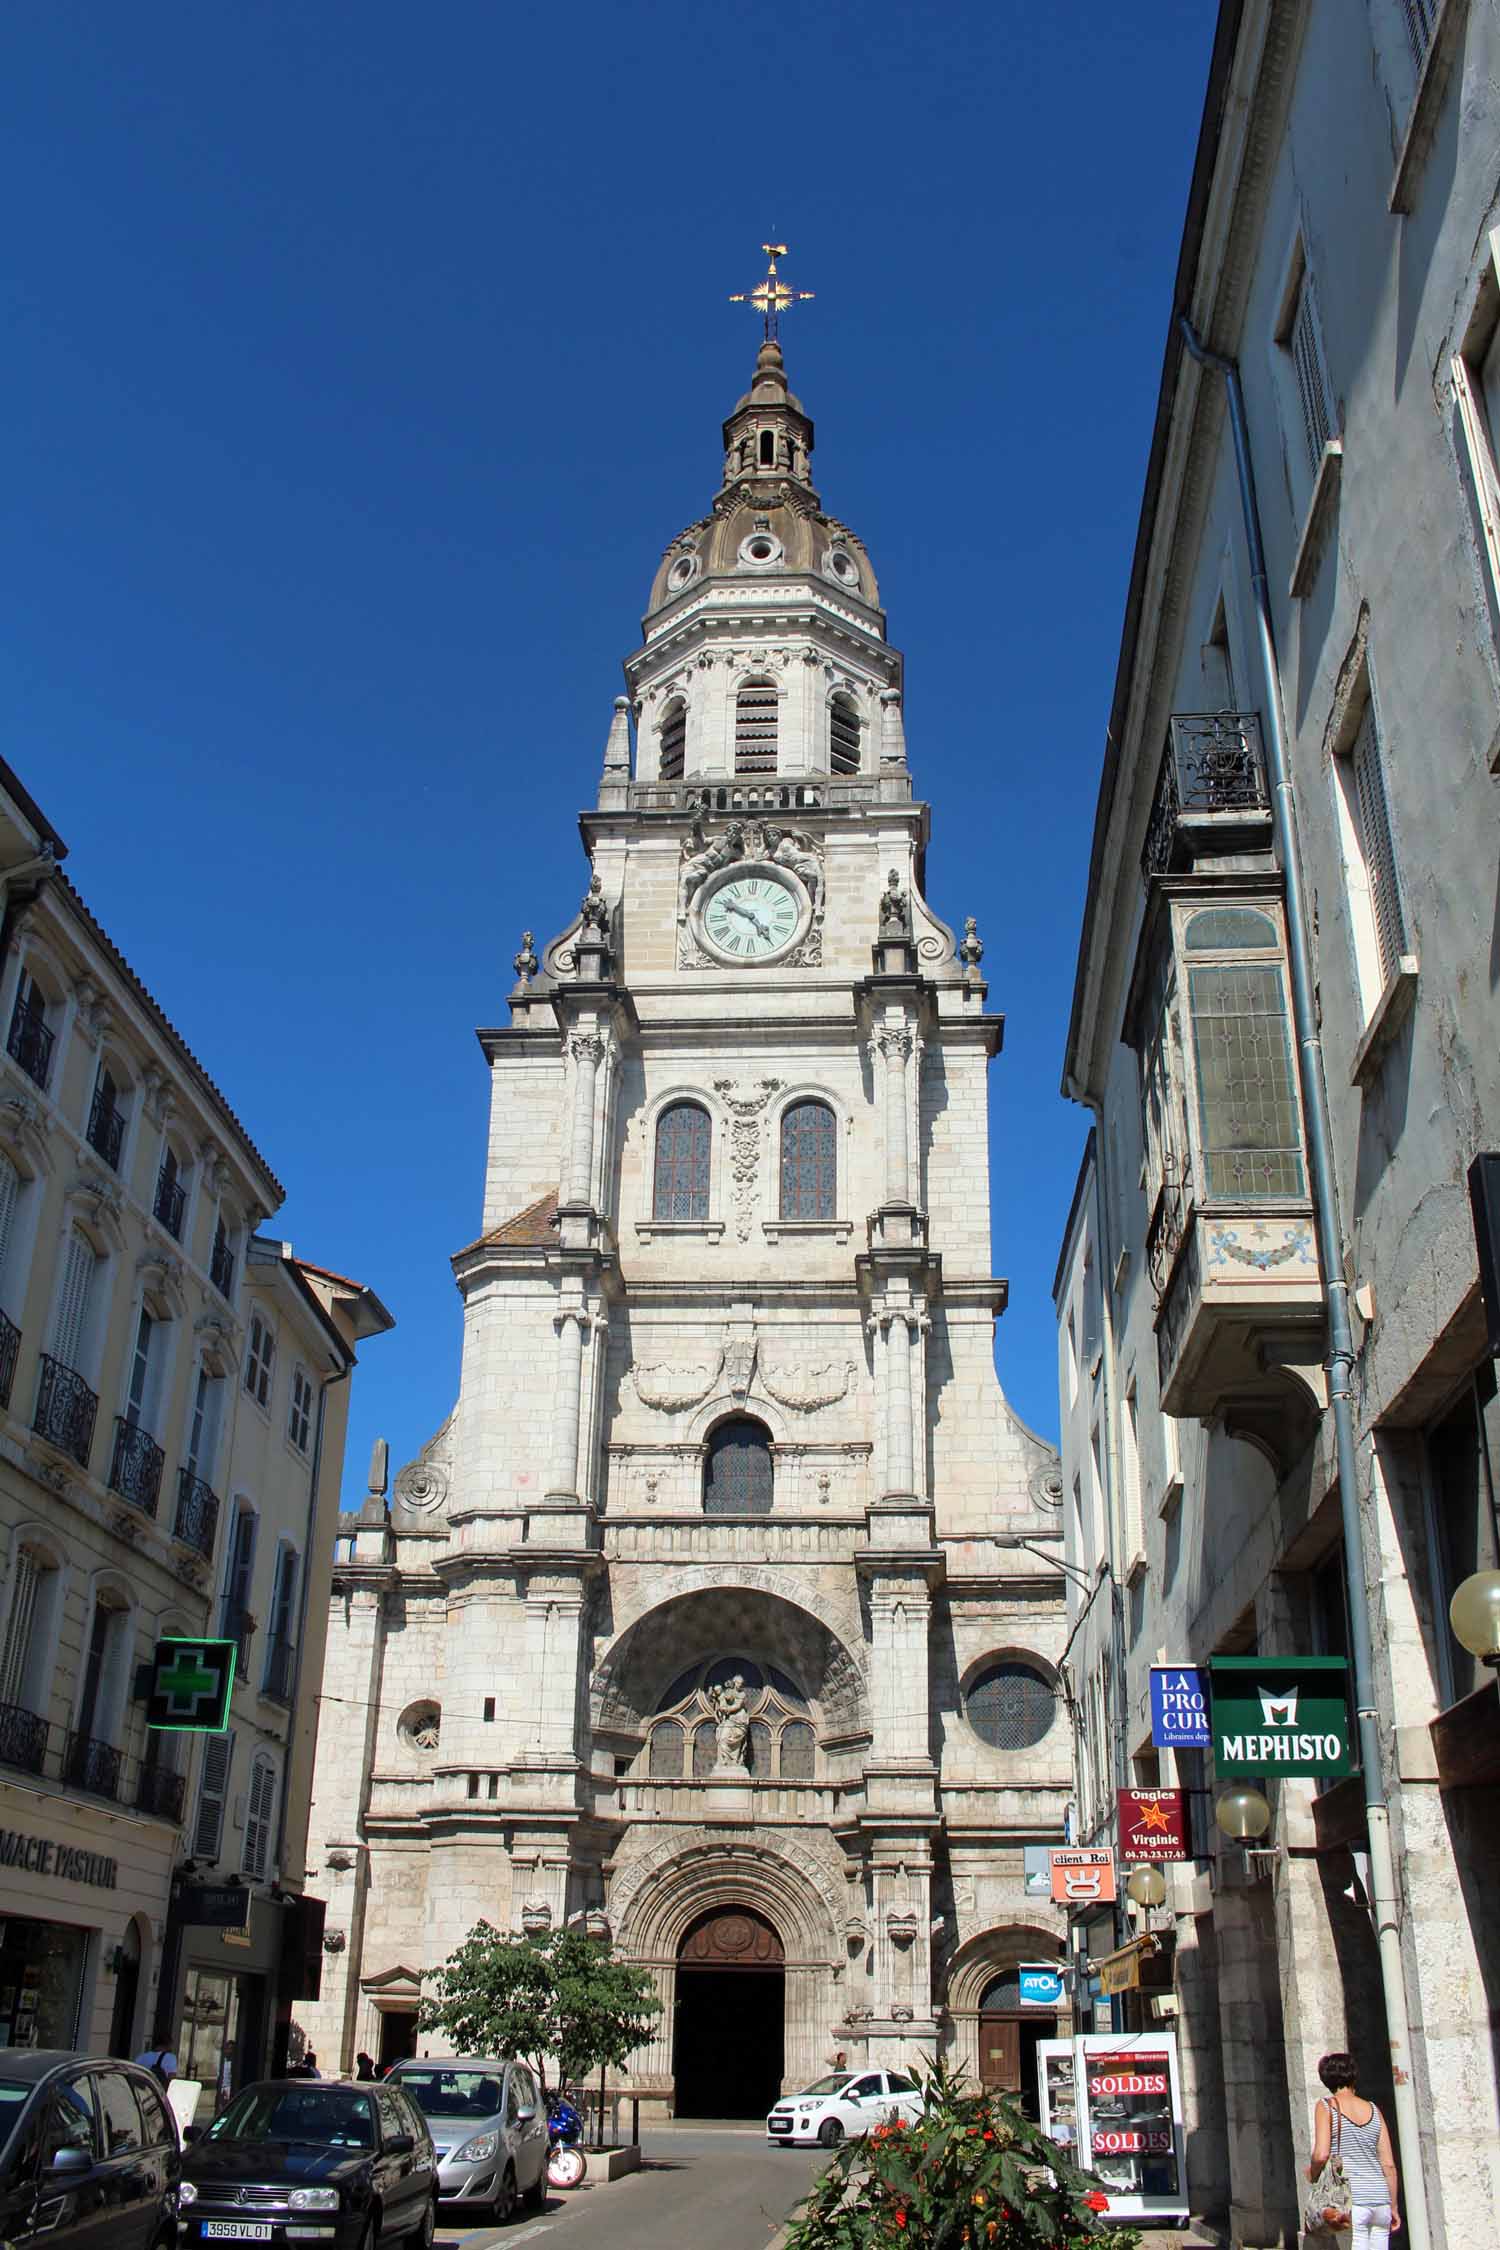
(705, 1620)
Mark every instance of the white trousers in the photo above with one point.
(1372, 2226)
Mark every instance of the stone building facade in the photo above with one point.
(703, 1619)
(1342, 250)
(173, 1398)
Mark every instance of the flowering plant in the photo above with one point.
(970, 2174)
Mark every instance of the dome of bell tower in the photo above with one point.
(767, 519)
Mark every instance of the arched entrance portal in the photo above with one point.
(729, 2044)
(1008, 2037)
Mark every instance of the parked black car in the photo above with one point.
(89, 2155)
(312, 2161)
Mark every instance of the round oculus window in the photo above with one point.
(682, 572)
(761, 551)
(1010, 1705)
(420, 1726)
(840, 564)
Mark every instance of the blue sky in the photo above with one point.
(360, 362)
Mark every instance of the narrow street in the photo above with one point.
(699, 2188)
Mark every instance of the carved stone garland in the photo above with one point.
(744, 1145)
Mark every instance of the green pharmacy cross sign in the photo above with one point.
(191, 1683)
(1280, 1714)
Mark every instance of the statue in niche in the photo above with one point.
(895, 912)
(731, 1726)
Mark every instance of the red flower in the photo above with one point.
(900, 2218)
(1096, 2201)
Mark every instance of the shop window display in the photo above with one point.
(41, 1983)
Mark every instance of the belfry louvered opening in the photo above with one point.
(755, 728)
(843, 736)
(673, 741)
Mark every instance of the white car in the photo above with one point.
(846, 2105)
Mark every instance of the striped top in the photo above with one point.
(1359, 2146)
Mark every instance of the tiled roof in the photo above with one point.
(162, 1021)
(535, 1228)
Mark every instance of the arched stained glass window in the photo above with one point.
(1010, 1705)
(1002, 1994)
(682, 1145)
(737, 1474)
(705, 1749)
(797, 1751)
(667, 1743)
(808, 1165)
(760, 1749)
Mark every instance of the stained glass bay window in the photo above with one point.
(807, 1161)
(680, 1188)
(737, 1475)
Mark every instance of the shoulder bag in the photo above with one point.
(1330, 2208)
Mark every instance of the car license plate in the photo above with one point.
(235, 2230)
(781, 2124)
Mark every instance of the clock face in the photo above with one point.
(751, 917)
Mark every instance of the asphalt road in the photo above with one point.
(698, 2185)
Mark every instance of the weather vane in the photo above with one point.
(772, 297)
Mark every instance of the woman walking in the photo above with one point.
(1349, 2127)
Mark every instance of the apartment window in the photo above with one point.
(98, 1705)
(221, 1259)
(1476, 384)
(673, 751)
(755, 724)
(10, 1202)
(238, 1575)
(1218, 665)
(1301, 337)
(1420, 18)
(299, 1421)
(1377, 915)
(71, 1319)
(203, 1426)
(27, 1655)
(170, 1199)
(1130, 1476)
(137, 1398)
(260, 1807)
(808, 1142)
(105, 1131)
(258, 1361)
(277, 1678)
(31, 1038)
(843, 736)
(737, 1472)
(213, 1793)
(1249, 1120)
(680, 1189)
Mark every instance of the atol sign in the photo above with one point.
(1040, 1984)
(1179, 1707)
(1083, 1878)
(1153, 1824)
(1280, 1714)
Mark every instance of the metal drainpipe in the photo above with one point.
(1340, 1359)
(1119, 1718)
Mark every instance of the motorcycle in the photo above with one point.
(566, 2162)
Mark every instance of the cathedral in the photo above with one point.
(721, 1616)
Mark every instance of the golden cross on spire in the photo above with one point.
(771, 297)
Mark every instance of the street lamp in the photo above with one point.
(1474, 1614)
(1243, 1813)
(1145, 1886)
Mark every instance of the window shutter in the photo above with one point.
(673, 742)
(17, 1643)
(1306, 344)
(10, 1196)
(213, 1788)
(258, 1816)
(1420, 17)
(71, 1318)
(755, 723)
(1379, 851)
(843, 737)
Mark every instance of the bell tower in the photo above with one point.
(723, 1570)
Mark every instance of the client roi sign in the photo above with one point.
(1280, 1714)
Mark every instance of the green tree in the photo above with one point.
(561, 1997)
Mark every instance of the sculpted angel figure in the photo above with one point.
(785, 849)
(700, 858)
(732, 1739)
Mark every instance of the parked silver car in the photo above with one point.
(489, 2125)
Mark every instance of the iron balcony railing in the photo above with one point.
(197, 1512)
(169, 1202)
(31, 1042)
(23, 1738)
(221, 1267)
(10, 1345)
(1212, 787)
(65, 1409)
(74, 1761)
(94, 1766)
(106, 1129)
(160, 1792)
(277, 1684)
(135, 1471)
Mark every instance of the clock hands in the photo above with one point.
(748, 914)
